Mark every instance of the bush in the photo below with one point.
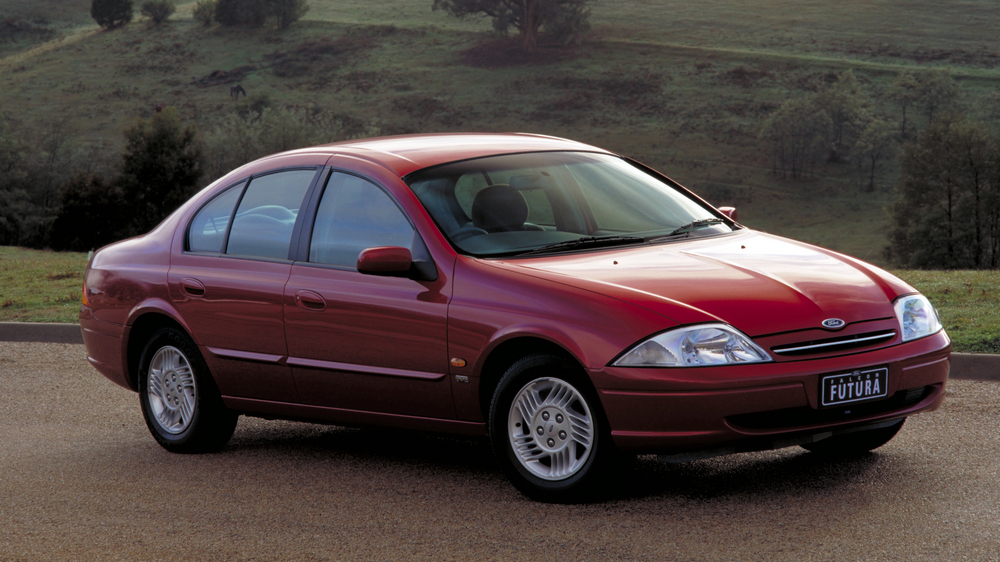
(158, 10)
(161, 166)
(255, 12)
(287, 12)
(240, 12)
(111, 13)
(89, 215)
(204, 12)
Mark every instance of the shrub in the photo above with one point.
(240, 12)
(158, 10)
(89, 215)
(287, 12)
(111, 13)
(255, 12)
(204, 12)
(161, 166)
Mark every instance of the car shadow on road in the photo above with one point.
(769, 474)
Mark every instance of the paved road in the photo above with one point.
(80, 478)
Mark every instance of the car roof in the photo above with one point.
(405, 154)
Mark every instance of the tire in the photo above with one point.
(549, 434)
(180, 402)
(854, 444)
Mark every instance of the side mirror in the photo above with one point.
(729, 212)
(390, 261)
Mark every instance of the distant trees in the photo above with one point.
(565, 20)
(111, 13)
(255, 12)
(158, 10)
(947, 213)
(161, 165)
(798, 133)
(160, 168)
(204, 12)
(928, 92)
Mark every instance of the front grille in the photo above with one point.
(834, 345)
(806, 416)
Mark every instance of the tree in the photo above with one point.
(798, 133)
(937, 92)
(563, 19)
(111, 13)
(204, 12)
(89, 214)
(847, 106)
(160, 168)
(905, 92)
(947, 213)
(875, 144)
(158, 10)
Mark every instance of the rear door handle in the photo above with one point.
(193, 287)
(308, 300)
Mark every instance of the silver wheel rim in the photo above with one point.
(551, 429)
(172, 393)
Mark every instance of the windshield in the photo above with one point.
(556, 201)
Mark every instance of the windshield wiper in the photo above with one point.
(690, 227)
(586, 242)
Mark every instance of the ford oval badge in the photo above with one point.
(834, 323)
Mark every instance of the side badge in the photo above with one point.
(834, 323)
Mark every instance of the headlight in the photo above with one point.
(917, 318)
(692, 346)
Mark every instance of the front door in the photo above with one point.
(360, 342)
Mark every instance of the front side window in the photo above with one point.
(354, 215)
(556, 201)
(263, 224)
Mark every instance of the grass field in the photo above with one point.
(42, 286)
(684, 87)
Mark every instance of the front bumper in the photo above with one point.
(762, 406)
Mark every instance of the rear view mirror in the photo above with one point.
(392, 261)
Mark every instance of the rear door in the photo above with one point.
(228, 282)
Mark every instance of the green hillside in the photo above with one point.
(682, 86)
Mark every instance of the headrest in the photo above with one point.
(499, 207)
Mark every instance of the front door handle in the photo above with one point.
(308, 300)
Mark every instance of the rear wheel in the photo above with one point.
(180, 403)
(852, 444)
(549, 434)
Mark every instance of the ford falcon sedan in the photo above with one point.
(573, 305)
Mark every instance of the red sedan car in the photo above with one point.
(574, 305)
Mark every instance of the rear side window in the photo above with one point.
(355, 215)
(264, 220)
(208, 229)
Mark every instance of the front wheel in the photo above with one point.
(549, 434)
(853, 444)
(182, 407)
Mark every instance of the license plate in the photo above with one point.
(856, 386)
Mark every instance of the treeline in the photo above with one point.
(54, 196)
(115, 13)
(840, 122)
(947, 212)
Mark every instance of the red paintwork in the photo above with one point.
(330, 344)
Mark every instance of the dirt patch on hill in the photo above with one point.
(506, 51)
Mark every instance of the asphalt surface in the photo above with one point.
(81, 479)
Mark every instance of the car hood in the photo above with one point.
(759, 283)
